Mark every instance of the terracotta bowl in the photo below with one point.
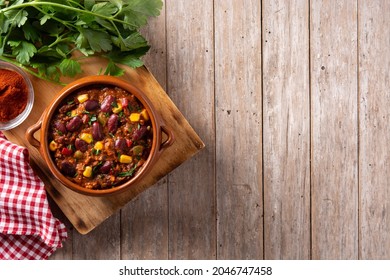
(158, 126)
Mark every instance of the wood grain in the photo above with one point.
(333, 50)
(292, 101)
(374, 104)
(190, 83)
(101, 244)
(238, 129)
(144, 222)
(286, 132)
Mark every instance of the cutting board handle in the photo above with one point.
(169, 141)
(30, 134)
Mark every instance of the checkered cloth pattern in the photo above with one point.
(28, 229)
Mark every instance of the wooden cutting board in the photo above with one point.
(85, 212)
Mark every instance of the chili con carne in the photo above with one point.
(100, 136)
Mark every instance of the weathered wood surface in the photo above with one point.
(292, 102)
(374, 128)
(334, 145)
(238, 129)
(286, 130)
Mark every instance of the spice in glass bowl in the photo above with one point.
(16, 96)
(13, 95)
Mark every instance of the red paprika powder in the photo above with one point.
(13, 95)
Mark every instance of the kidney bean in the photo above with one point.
(106, 104)
(91, 105)
(68, 169)
(97, 131)
(139, 133)
(81, 145)
(74, 124)
(121, 144)
(124, 101)
(112, 123)
(106, 167)
(60, 127)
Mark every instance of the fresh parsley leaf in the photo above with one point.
(147, 8)
(70, 66)
(104, 8)
(127, 173)
(127, 58)
(98, 40)
(23, 51)
(137, 11)
(43, 35)
(17, 17)
(113, 70)
(95, 152)
(30, 32)
(4, 24)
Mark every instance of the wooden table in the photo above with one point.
(292, 101)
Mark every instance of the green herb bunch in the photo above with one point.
(42, 36)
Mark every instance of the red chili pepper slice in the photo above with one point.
(66, 152)
(129, 143)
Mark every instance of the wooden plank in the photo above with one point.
(190, 84)
(102, 243)
(144, 222)
(286, 132)
(333, 43)
(238, 129)
(374, 93)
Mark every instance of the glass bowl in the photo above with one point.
(30, 97)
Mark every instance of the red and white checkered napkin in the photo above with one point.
(28, 229)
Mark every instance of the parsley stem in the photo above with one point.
(36, 4)
(59, 39)
(70, 26)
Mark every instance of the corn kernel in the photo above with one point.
(53, 146)
(117, 109)
(145, 114)
(98, 146)
(83, 97)
(125, 159)
(73, 113)
(87, 137)
(134, 117)
(87, 171)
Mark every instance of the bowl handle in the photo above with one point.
(30, 134)
(169, 141)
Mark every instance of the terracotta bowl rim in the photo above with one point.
(101, 80)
